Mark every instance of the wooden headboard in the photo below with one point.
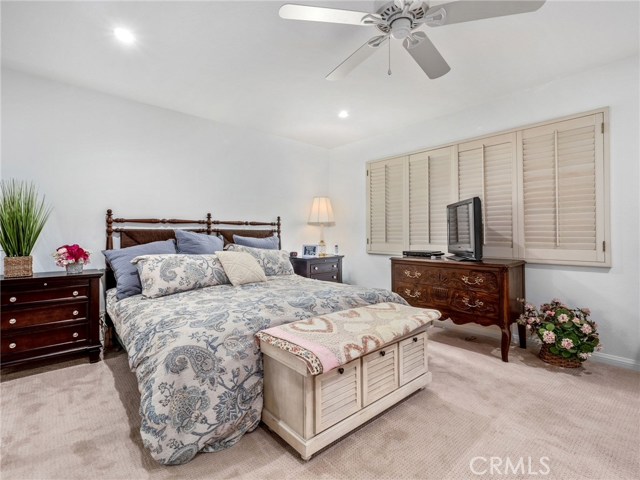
(131, 235)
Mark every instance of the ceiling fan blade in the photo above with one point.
(357, 57)
(320, 14)
(468, 10)
(426, 55)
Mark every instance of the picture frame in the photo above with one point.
(310, 250)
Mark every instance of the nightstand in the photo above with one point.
(50, 314)
(327, 268)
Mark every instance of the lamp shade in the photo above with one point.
(321, 212)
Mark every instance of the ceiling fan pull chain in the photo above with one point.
(389, 71)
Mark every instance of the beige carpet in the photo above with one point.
(80, 421)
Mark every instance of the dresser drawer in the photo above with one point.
(412, 356)
(337, 395)
(15, 318)
(379, 374)
(462, 278)
(24, 342)
(62, 292)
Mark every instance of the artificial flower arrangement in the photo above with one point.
(565, 332)
(68, 254)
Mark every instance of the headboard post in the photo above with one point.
(278, 232)
(208, 224)
(109, 229)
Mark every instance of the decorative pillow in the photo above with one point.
(166, 274)
(241, 268)
(273, 262)
(198, 243)
(126, 273)
(269, 243)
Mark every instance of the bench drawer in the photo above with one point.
(379, 373)
(413, 357)
(338, 395)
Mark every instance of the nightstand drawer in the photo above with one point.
(327, 277)
(324, 267)
(14, 297)
(13, 344)
(15, 318)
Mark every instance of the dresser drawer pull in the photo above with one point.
(473, 281)
(476, 304)
(45, 284)
(382, 353)
(75, 312)
(13, 321)
(12, 345)
(13, 299)
(334, 266)
(315, 268)
(411, 274)
(415, 339)
(408, 293)
(75, 293)
(341, 370)
(334, 277)
(75, 334)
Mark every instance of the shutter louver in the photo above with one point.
(386, 206)
(418, 202)
(377, 204)
(439, 195)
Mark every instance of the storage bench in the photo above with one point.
(325, 376)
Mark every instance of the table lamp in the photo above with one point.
(321, 214)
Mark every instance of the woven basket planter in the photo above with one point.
(557, 360)
(18, 266)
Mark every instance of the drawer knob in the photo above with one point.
(473, 281)
(334, 266)
(315, 268)
(415, 339)
(75, 293)
(75, 312)
(13, 321)
(334, 277)
(382, 353)
(45, 284)
(13, 299)
(75, 334)
(12, 345)
(408, 293)
(341, 370)
(411, 274)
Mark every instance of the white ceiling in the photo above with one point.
(238, 63)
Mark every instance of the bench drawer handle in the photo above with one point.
(341, 370)
(382, 353)
(415, 339)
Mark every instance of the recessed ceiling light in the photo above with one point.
(124, 35)
(343, 114)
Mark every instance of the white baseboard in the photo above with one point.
(494, 333)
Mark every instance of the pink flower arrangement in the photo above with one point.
(67, 254)
(568, 332)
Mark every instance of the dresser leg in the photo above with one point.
(94, 355)
(522, 333)
(506, 341)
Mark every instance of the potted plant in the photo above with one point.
(567, 334)
(22, 217)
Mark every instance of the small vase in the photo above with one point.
(74, 268)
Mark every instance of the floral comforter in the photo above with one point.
(197, 363)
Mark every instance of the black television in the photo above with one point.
(464, 230)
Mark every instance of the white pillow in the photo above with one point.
(166, 274)
(273, 262)
(241, 268)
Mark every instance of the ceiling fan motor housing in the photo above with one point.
(396, 22)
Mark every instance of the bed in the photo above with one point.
(197, 363)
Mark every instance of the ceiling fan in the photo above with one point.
(400, 19)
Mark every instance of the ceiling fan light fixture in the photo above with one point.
(400, 28)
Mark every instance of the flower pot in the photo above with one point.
(557, 360)
(18, 266)
(74, 268)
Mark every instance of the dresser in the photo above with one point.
(486, 293)
(50, 314)
(328, 268)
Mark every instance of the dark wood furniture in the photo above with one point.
(328, 268)
(486, 293)
(50, 314)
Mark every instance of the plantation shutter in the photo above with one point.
(487, 169)
(429, 195)
(563, 186)
(386, 205)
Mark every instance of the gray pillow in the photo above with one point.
(126, 273)
(270, 243)
(198, 243)
(273, 262)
